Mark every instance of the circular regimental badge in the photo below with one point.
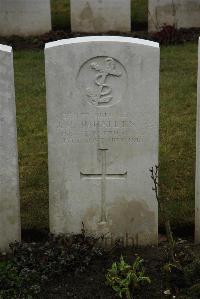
(102, 81)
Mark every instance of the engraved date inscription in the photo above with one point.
(78, 128)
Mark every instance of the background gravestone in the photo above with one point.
(9, 182)
(24, 17)
(100, 15)
(197, 201)
(178, 13)
(103, 107)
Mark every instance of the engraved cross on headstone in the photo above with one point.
(103, 176)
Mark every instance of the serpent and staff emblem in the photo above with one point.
(104, 91)
(103, 80)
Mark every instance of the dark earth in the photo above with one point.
(91, 283)
(167, 36)
(75, 267)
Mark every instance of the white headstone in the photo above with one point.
(24, 17)
(100, 15)
(9, 181)
(178, 13)
(197, 196)
(103, 107)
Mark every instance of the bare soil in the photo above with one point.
(168, 35)
(91, 283)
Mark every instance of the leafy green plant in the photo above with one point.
(17, 283)
(31, 266)
(125, 279)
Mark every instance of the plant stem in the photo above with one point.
(161, 204)
(170, 239)
(128, 295)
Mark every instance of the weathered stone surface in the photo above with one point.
(103, 107)
(100, 15)
(9, 182)
(197, 195)
(24, 17)
(178, 13)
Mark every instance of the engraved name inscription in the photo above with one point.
(90, 128)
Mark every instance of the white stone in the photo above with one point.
(9, 180)
(103, 107)
(178, 13)
(100, 15)
(24, 17)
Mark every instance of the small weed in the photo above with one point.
(192, 273)
(125, 279)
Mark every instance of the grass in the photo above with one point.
(139, 13)
(61, 13)
(177, 129)
(32, 137)
(177, 133)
